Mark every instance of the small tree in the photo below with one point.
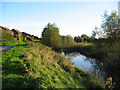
(64, 40)
(51, 37)
(70, 40)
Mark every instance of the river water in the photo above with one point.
(83, 62)
(93, 65)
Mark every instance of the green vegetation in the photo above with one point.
(67, 41)
(7, 38)
(51, 37)
(83, 38)
(108, 42)
(20, 38)
(34, 65)
(106, 49)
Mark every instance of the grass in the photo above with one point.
(34, 65)
(7, 38)
(107, 53)
(87, 49)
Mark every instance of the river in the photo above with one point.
(93, 65)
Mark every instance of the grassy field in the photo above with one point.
(33, 65)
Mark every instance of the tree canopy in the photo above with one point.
(110, 26)
(67, 40)
(51, 37)
(83, 38)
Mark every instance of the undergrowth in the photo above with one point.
(34, 65)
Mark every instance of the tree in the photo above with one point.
(110, 24)
(78, 39)
(70, 40)
(95, 32)
(98, 33)
(85, 37)
(51, 37)
(64, 40)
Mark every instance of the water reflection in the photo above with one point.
(83, 62)
(79, 60)
(105, 68)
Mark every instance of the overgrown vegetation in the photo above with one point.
(106, 49)
(7, 38)
(34, 65)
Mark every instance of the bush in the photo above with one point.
(7, 37)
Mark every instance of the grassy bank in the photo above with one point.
(103, 52)
(87, 49)
(34, 65)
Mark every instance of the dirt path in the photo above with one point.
(5, 48)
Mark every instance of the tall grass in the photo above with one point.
(43, 55)
(7, 37)
(34, 65)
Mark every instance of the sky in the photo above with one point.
(71, 17)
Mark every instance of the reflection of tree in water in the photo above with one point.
(72, 54)
(97, 67)
(96, 64)
(107, 67)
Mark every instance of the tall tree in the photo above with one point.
(110, 24)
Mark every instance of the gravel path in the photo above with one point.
(5, 48)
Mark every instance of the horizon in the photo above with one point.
(72, 18)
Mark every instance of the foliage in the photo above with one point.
(67, 40)
(51, 37)
(78, 39)
(84, 38)
(7, 37)
(24, 39)
(110, 24)
(34, 65)
(21, 38)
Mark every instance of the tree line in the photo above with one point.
(84, 38)
(108, 32)
(52, 38)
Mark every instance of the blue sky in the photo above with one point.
(73, 18)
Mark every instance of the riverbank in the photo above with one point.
(34, 65)
(106, 56)
(87, 49)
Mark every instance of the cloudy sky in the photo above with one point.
(72, 17)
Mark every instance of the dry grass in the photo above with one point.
(46, 54)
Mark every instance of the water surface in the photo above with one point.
(99, 67)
